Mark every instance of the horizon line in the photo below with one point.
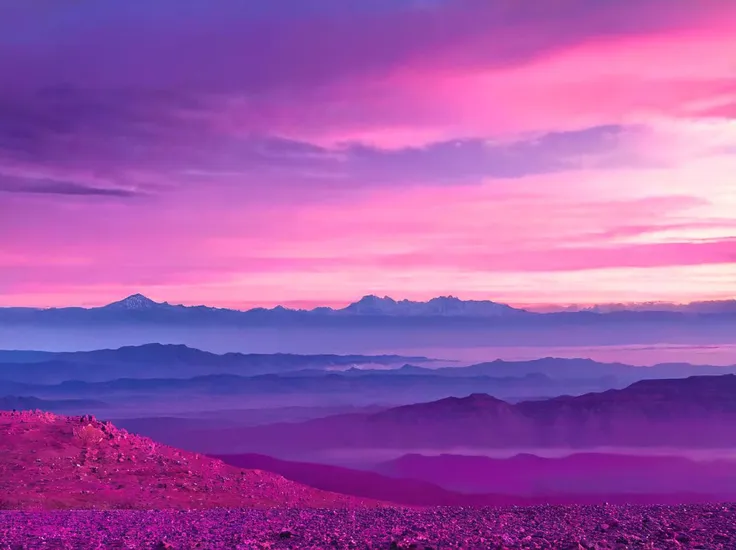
(310, 305)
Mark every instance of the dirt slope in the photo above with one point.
(49, 461)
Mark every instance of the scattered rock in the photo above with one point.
(467, 528)
(70, 450)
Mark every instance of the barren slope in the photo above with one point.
(49, 461)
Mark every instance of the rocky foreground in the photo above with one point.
(710, 527)
(51, 461)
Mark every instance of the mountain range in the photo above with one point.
(579, 474)
(443, 306)
(696, 412)
(702, 307)
(450, 480)
(140, 308)
(168, 395)
(167, 378)
(170, 361)
(557, 368)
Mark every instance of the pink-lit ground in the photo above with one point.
(605, 527)
(52, 462)
(56, 462)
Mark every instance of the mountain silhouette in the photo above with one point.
(695, 412)
(369, 311)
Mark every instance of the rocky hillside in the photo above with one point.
(49, 462)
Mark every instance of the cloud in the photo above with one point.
(318, 44)
(51, 187)
(160, 141)
(472, 160)
(304, 98)
(356, 143)
(464, 69)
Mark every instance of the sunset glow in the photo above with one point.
(280, 156)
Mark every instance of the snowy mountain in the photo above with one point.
(136, 302)
(369, 311)
(443, 306)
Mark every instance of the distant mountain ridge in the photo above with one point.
(578, 473)
(448, 306)
(186, 354)
(169, 361)
(558, 368)
(171, 373)
(272, 390)
(409, 480)
(692, 413)
(135, 302)
(367, 305)
(700, 307)
(370, 310)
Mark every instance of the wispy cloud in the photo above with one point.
(51, 187)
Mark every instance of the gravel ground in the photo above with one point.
(709, 527)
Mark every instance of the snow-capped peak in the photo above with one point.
(372, 305)
(134, 302)
(440, 306)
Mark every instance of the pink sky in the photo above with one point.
(578, 153)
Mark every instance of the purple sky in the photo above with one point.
(311, 151)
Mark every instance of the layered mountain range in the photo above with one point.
(456, 480)
(171, 361)
(696, 412)
(165, 379)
